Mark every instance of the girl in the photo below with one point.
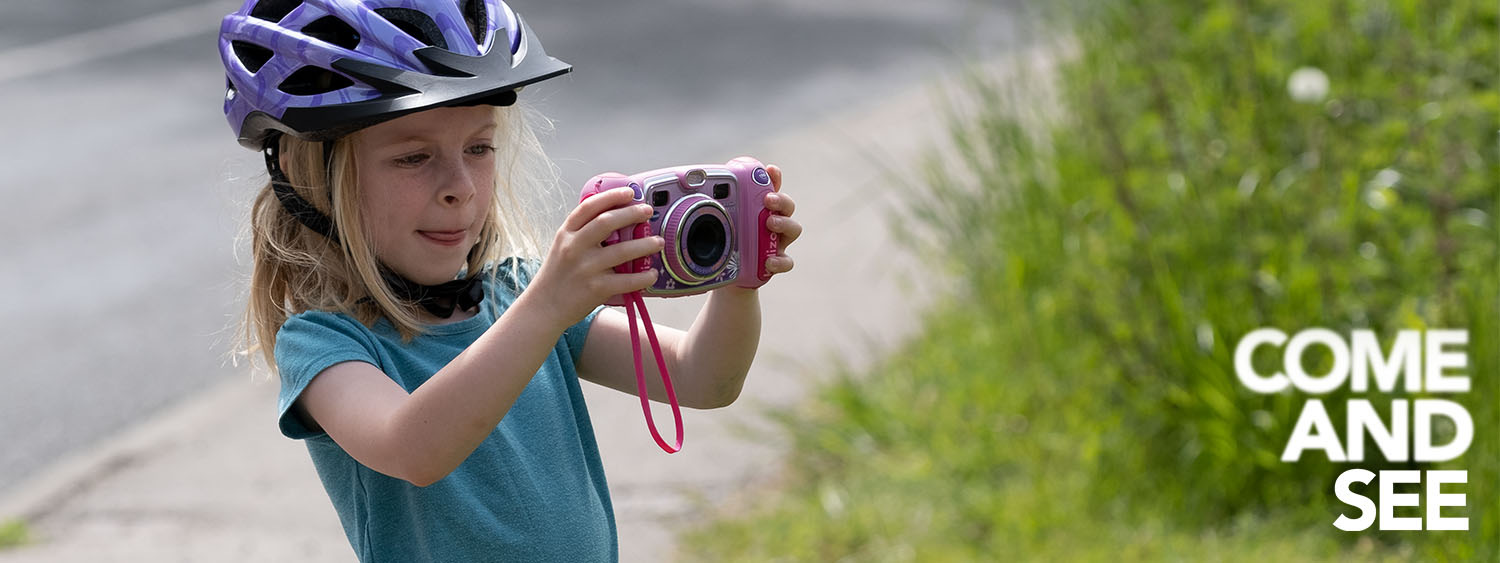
(432, 374)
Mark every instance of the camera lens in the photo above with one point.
(706, 241)
(700, 240)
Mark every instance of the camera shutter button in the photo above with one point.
(761, 177)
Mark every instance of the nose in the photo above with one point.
(460, 184)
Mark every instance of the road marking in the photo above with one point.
(155, 29)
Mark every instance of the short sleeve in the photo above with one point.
(307, 344)
(517, 273)
(576, 335)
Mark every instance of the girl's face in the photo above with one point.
(426, 181)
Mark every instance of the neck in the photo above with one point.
(430, 319)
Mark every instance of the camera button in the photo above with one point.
(761, 177)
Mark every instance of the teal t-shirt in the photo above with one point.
(534, 490)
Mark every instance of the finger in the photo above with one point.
(590, 208)
(775, 172)
(788, 228)
(617, 254)
(618, 284)
(780, 204)
(613, 220)
(779, 264)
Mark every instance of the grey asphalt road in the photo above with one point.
(123, 192)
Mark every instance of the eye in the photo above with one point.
(481, 149)
(411, 160)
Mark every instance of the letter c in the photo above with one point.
(1246, 372)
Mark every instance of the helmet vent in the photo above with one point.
(332, 30)
(415, 24)
(311, 80)
(274, 10)
(251, 55)
(475, 16)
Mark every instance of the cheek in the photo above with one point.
(386, 212)
(486, 196)
(485, 188)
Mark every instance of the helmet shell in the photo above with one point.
(320, 69)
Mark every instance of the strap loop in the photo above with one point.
(633, 300)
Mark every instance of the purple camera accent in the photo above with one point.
(713, 218)
(761, 177)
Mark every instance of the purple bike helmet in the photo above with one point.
(320, 69)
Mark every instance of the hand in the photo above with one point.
(780, 222)
(578, 273)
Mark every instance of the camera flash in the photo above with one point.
(695, 177)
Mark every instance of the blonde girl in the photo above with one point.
(431, 368)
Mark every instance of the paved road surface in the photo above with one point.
(123, 190)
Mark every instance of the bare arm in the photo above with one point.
(423, 436)
(726, 334)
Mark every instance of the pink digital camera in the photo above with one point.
(713, 217)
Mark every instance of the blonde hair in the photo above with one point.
(295, 269)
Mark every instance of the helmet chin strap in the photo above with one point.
(294, 204)
(441, 300)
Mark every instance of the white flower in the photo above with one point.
(1474, 216)
(1385, 178)
(1177, 183)
(1307, 85)
(1378, 198)
(1380, 195)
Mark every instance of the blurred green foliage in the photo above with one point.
(13, 533)
(1213, 168)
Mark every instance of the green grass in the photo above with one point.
(1075, 398)
(946, 453)
(14, 533)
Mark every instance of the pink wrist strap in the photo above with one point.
(633, 300)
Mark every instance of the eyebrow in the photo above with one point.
(424, 135)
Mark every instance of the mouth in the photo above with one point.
(445, 238)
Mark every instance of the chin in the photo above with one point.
(429, 275)
(435, 278)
